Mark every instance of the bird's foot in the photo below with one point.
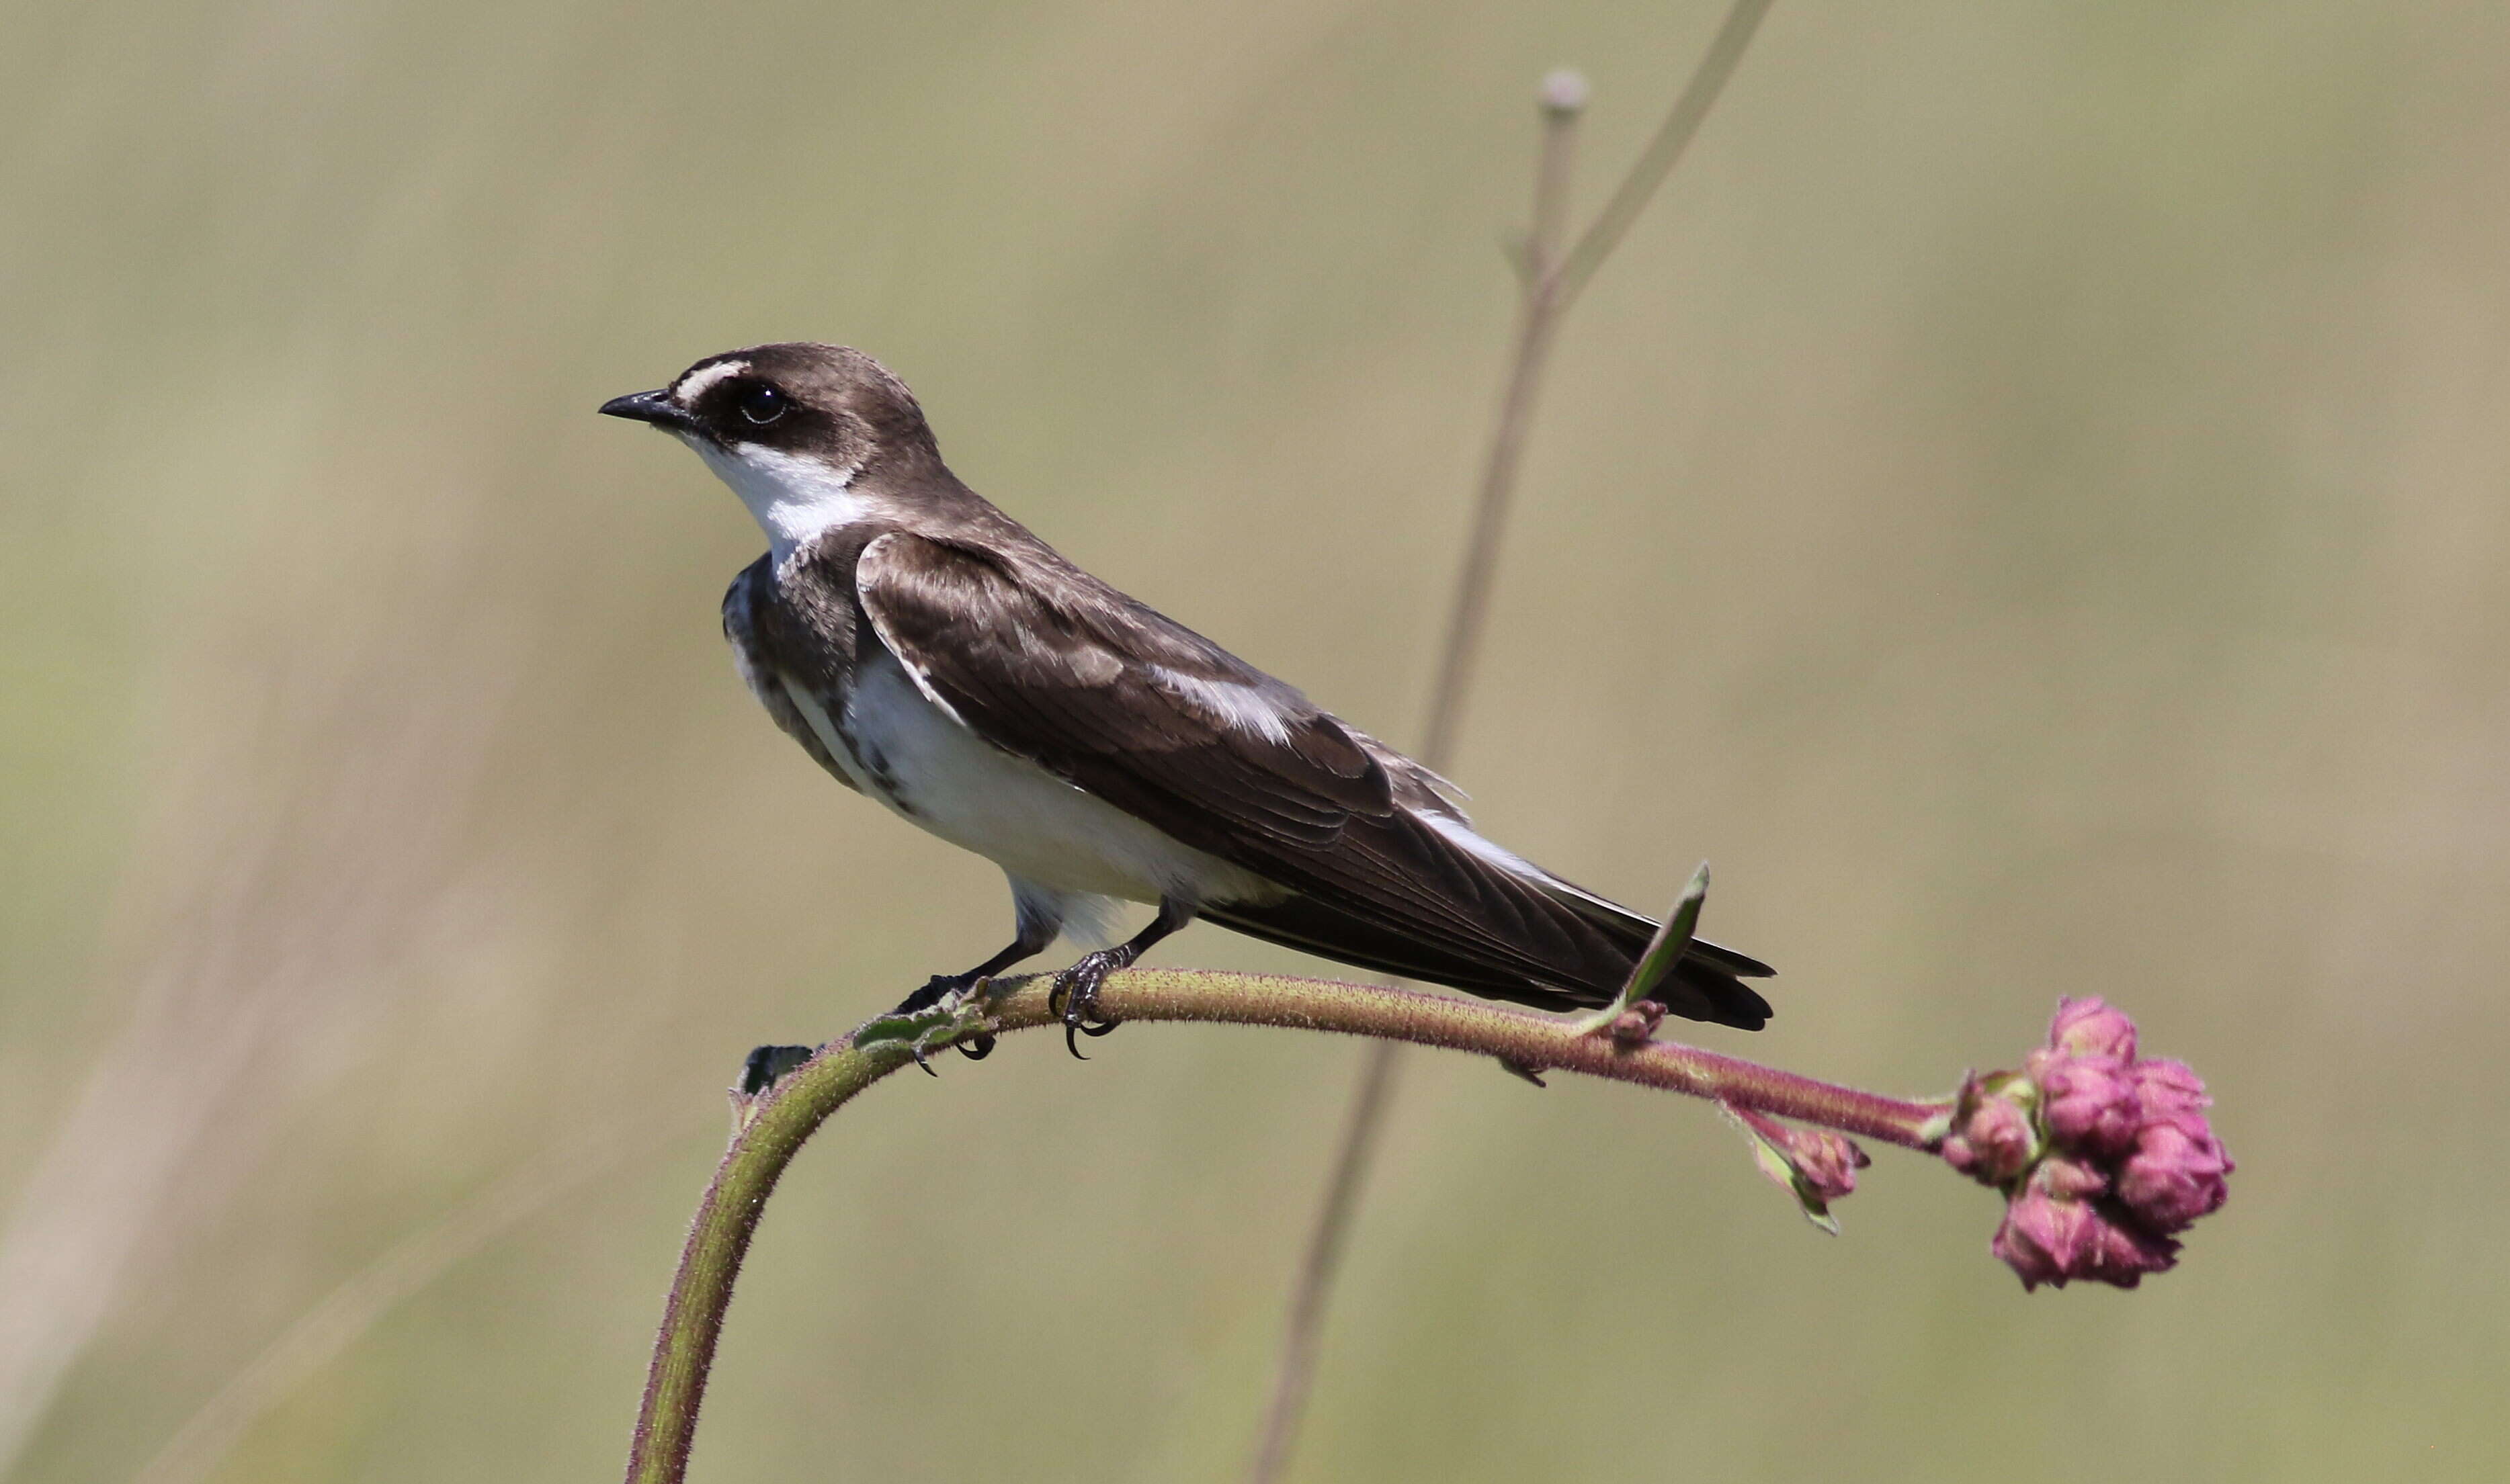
(948, 1011)
(1076, 994)
(936, 989)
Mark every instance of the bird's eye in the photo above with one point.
(762, 403)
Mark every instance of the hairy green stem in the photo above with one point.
(775, 1128)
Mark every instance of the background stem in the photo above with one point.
(1304, 1335)
(1551, 282)
(1674, 135)
(1468, 615)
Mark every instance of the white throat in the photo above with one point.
(792, 498)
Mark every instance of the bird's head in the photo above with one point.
(804, 433)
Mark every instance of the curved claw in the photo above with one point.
(1076, 997)
(916, 1050)
(977, 1048)
(1077, 1019)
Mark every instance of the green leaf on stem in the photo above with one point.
(1663, 952)
(904, 1031)
(957, 1018)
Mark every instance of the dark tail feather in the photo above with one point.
(1742, 965)
(1713, 973)
(1706, 986)
(1731, 1001)
(1312, 927)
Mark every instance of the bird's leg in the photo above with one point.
(1034, 937)
(1034, 931)
(1076, 990)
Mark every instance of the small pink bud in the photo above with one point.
(2175, 1174)
(2091, 1103)
(2069, 1180)
(1636, 1025)
(2165, 1087)
(1998, 1138)
(2043, 1240)
(2120, 1253)
(1958, 1152)
(2048, 1240)
(2090, 1027)
(1828, 1162)
(1817, 1162)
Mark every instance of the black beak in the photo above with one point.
(655, 407)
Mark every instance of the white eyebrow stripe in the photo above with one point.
(1242, 707)
(693, 384)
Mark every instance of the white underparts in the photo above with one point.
(901, 748)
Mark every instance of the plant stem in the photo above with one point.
(788, 1114)
(719, 1238)
(1304, 1335)
(1655, 162)
(1536, 320)
(1563, 99)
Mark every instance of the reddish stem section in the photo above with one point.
(1537, 1042)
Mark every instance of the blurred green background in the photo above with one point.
(2030, 503)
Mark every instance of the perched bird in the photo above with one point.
(931, 653)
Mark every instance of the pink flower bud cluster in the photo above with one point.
(2103, 1155)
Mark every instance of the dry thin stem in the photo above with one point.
(777, 1125)
(1551, 282)
(1658, 160)
(1303, 1336)
(1468, 615)
(1563, 99)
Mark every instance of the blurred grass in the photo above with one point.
(2029, 504)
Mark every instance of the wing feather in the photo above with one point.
(1051, 665)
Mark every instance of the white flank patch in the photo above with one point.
(792, 496)
(1242, 707)
(935, 772)
(693, 384)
